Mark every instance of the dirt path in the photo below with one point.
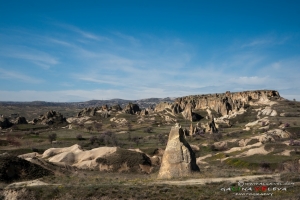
(203, 181)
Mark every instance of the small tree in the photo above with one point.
(161, 138)
(136, 140)
(148, 130)
(129, 136)
(89, 128)
(93, 139)
(81, 125)
(52, 137)
(98, 126)
(286, 125)
(129, 126)
(79, 137)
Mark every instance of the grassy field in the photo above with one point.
(149, 133)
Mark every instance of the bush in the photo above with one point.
(105, 138)
(52, 137)
(286, 125)
(265, 165)
(79, 137)
(93, 139)
(13, 141)
(33, 149)
(148, 130)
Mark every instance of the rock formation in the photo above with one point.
(102, 158)
(116, 108)
(178, 159)
(187, 113)
(52, 117)
(13, 168)
(21, 120)
(132, 108)
(267, 111)
(212, 126)
(5, 123)
(88, 111)
(162, 106)
(222, 103)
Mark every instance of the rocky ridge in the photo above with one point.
(222, 103)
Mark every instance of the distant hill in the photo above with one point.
(143, 103)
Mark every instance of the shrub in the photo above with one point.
(33, 149)
(79, 137)
(161, 138)
(13, 141)
(148, 130)
(97, 126)
(89, 128)
(136, 140)
(52, 137)
(93, 139)
(106, 138)
(286, 125)
(295, 123)
(265, 165)
(213, 148)
(129, 136)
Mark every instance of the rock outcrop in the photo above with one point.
(223, 103)
(91, 111)
(21, 120)
(162, 106)
(187, 113)
(132, 108)
(116, 108)
(13, 168)
(102, 159)
(179, 159)
(5, 123)
(52, 117)
(268, 111)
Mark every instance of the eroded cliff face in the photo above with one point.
(223, 103)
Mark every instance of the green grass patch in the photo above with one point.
(256, 161)
(16, 152)
(27, 127)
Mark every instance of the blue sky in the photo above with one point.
(84, 50)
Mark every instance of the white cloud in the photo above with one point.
(129, 38)
(253, 80)
(37, 57)
(84, 34)
(16, 76)
(258, 42)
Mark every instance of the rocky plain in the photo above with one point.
(214, 146)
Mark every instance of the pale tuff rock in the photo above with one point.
(224, 103)
(118, 120)
(178, 159)
(268, 111)
(132, 108)
(249, 141)
(77, 120)
(102, 158)
(187, 113)
(273, 135)
(259, 123)
(51, 117)
(103, 111)
(162, 106)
